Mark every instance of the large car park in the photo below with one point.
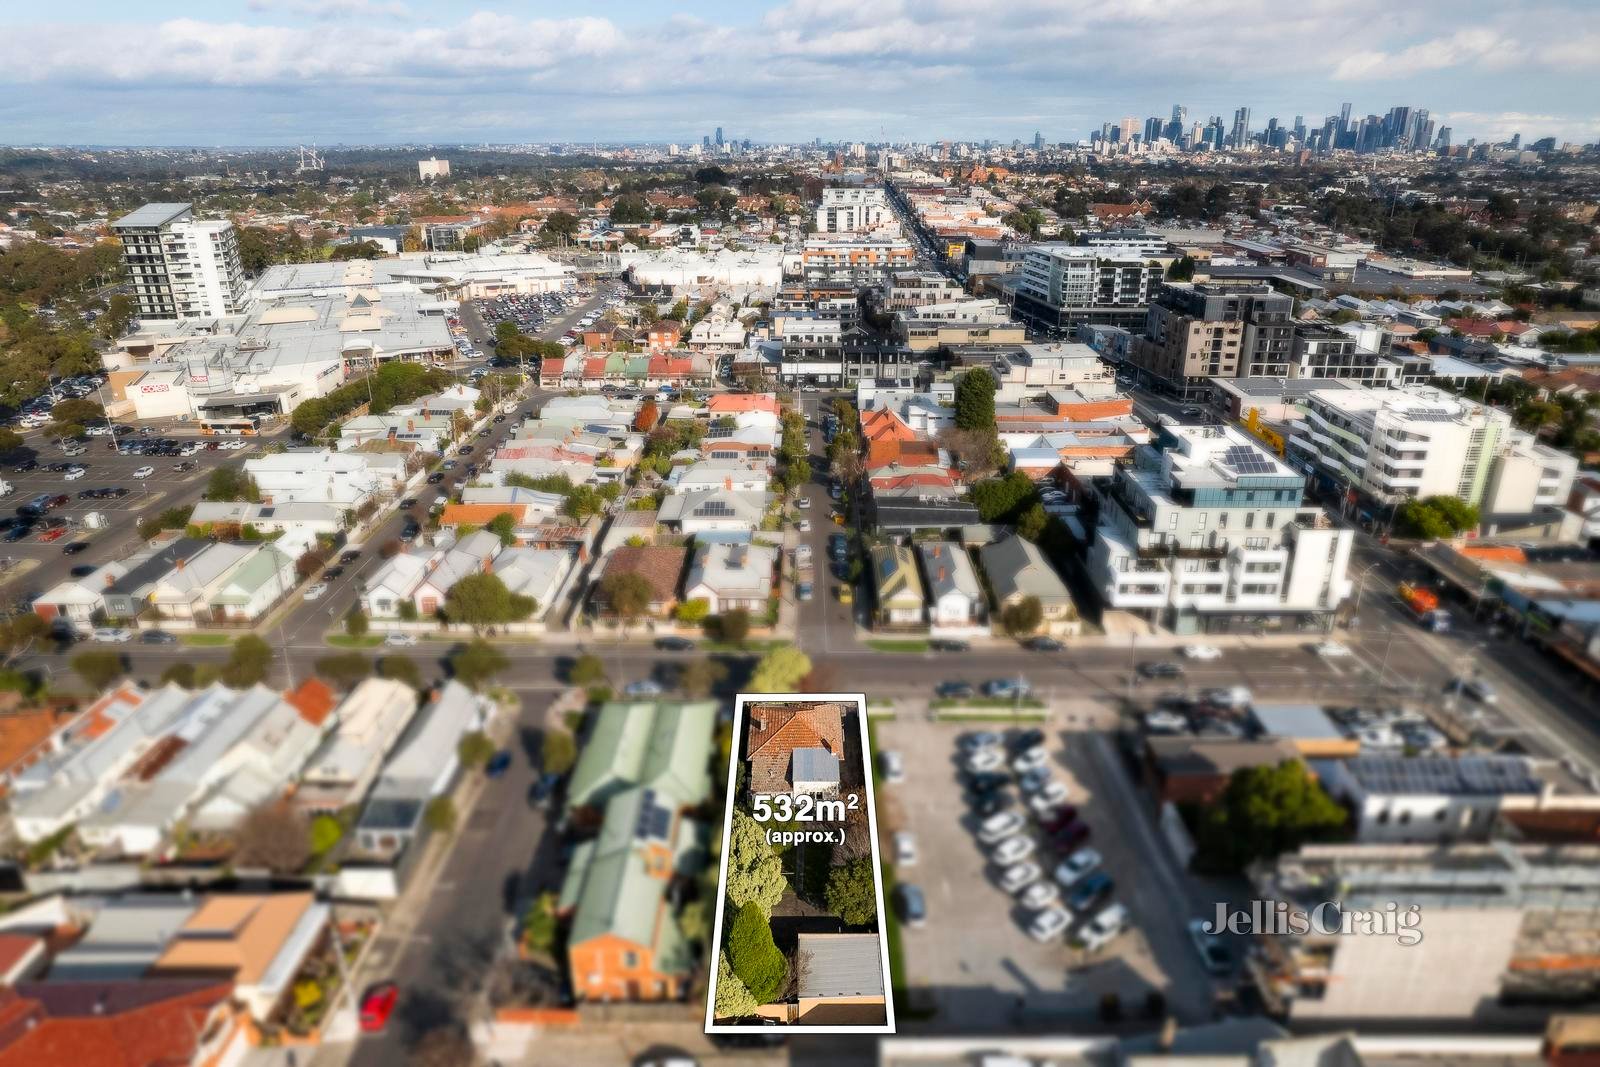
(1061, 886)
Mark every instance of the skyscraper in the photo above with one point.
(1443, 140)
(719, 136)
(1128, 126)
(1240, 135)
(1180, 118)
(1344, 118)
(1300, 128)
(1038, 141)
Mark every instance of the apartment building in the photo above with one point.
(1062, 285)
(181, 267)
(1031, 371)
(1196, 332)
(1393, 444)
(859, 260)
(957, 322)
(854, 210)
(1213, 535)
(1326, 352)
(904, 290)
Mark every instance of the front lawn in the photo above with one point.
(904, 644)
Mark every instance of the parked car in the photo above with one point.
(1048, 799)
(1202, 652)
(400, 640)
(157, 637)
(986, 781)
(1330, 650)
(1006, 688)
(644, 687)
(1018, 877)
(1090, 891)
(674, 644)
(1102, 928)
(144, 472)
(975, 742)
(1048, 925)
(1214, 954)
(1070, 870)
(987, 804)
(1043, 644)
(498, 763)
(892, 766)
(951, 644)
(74, 548)
(112, 635)
(986, 759)
(1031, 760)
(377, 1005)
(1013, 850)
(1039, 895)
(905, 849)
(315, 592)
(912, 905)
(1160, 669)
(999, 827)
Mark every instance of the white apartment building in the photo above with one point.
(1034, 370)
(1394, 444)
(906, 289)
(853, 210)
(1213, 535)
(181, 267)
(1063, 285)
(433, 168)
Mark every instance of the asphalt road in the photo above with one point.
(442, 957)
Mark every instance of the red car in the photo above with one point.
(1070, 836)
(377, 1006)
(1059, 819)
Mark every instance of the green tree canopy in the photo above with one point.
(755, 871)
(1022, 617)
(98, 667)
(248, 663)
(975, 400)
(734, 1000)
(1265, 812)
(780, 671)
(478, 663)
(345, 669)
(852, 892)
(481, 599)
(753, 955)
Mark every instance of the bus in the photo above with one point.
(234, 426)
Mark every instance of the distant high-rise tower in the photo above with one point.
(1128, 126)
(1241, 128)
(1516, 142)
(1180, 118)
(1299, 130)
(1038, 141)
(1443, 140)
(719, 136)
(1152, 130)
(1344, 117)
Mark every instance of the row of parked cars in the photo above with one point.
(36, 410)
(1036, 840)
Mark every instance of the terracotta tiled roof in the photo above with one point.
(140, 1023)
(778, 730)
(22, 732)
(313, 699)
(660, 565)
(480, 514)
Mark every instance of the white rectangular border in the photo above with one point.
(860, 701)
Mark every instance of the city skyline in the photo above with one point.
(281, 72)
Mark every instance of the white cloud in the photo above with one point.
(1483, 48)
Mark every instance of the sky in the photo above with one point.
(329, 72)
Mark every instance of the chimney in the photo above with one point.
(180, 564)
(110, 581)
(486, 567)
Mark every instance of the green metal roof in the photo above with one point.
(251, 575)
(665, 746)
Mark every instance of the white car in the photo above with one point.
(400, 640)
(72, 474)
(1039, 895)
(1050, 797)
(985, 760)
(236, 445)
(1048, 925)
(1075, 866)
(144, 472)
(644, 687)
(112, 635)
(804, 526)
(894, 768)
(1106, 924)
(1019, 876)
(804, 503)
(905, 849)
(1202, 652)
(1030, 760)
(315, 592)
(1012, 850)
(999, 827)
(1331, 650)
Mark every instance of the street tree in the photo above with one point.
(780, 670)
(98, 667)
(587, 670)
(475, 749)
(345, 669)
(478, 663)
(248, 663)
(275, 836)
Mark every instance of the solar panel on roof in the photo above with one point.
(719, 508)
(653, 818)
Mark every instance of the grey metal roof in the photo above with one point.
(814, 765)
(839, 965)
(1306, 722)
(152, 215)
(1444, 775)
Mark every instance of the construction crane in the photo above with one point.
(309, 160)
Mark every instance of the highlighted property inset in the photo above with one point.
(798, 936)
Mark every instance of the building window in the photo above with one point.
(630, 960)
